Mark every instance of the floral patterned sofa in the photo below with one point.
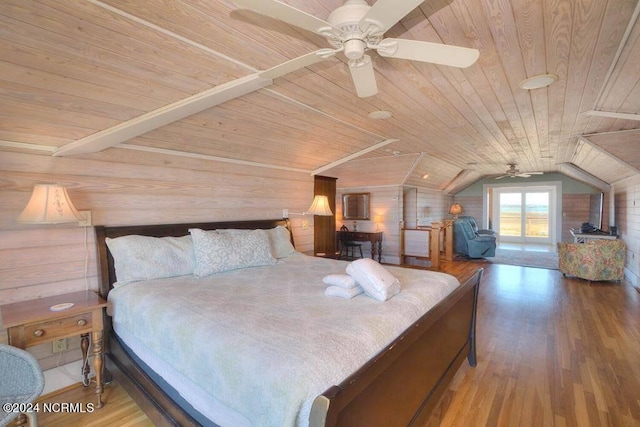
(595, 260)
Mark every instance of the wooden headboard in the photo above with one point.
(105, 260)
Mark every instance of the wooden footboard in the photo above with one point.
(402, 384)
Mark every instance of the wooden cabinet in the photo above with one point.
(324, 235)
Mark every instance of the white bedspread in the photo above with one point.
(265, 341)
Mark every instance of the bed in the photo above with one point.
(397, 379)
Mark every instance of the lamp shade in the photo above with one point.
(49, 204)
(320, 206)
(455, 209)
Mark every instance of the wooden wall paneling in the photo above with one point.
(472, 206)
(575, 211)
(324, 227)
(385, 204)
(627, 219)
(432, 206)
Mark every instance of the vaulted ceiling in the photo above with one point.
(182, 77)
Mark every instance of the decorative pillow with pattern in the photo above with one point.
(217, 252)
(279, 238)
(138, 258)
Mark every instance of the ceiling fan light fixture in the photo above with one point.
(354, 48)
(538, 82)
(380, 115)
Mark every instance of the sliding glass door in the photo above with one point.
(524, 215)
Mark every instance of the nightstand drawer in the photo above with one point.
(36, 333)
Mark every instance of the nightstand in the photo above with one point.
(33, 322)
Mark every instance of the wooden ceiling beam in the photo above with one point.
(352, 156)
(164, 116)
(580, 174)
(612, 114)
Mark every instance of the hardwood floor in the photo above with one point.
(120, 410)
(552, 351)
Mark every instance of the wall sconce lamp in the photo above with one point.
(455, 210)
(319, 206)
(49, 204)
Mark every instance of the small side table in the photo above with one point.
(33, 322)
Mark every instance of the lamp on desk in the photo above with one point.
(377, 219)
(455, 210)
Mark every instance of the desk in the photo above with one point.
(374, 237)
(579, 237)
(32, 322)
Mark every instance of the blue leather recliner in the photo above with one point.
(474, 226)
(470, 243)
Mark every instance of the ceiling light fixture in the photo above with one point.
(380, 114)
(425, 176)
(537, 82)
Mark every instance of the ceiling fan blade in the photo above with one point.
(296, 64)
(501, 176)
(528, 174)
(443, 54)
(384, 14)
(363, 77)
(285, 13)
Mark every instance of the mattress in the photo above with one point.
(255, 346)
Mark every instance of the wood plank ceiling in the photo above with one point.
(73, 71)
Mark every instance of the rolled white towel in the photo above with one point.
(377, 281)
(337, 291)
(342, 280)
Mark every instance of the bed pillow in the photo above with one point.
(377, 281)
(280, 239)
(138, 258)
(217, 252)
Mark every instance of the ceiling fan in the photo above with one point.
(354, 29)
(514, 172)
